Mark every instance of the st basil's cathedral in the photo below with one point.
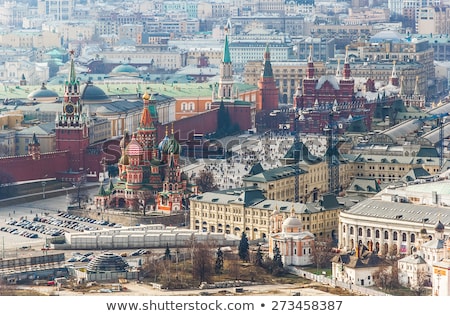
(150, 177)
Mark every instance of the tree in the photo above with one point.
(386, 277)
(113, 171)
(243, 248)
(219, 261)
(7, 189)
(259, 257)
(140, 201)
(276, 266)
(5, 151)
(322, 253)
(202, 263)
(81, 195)
(225, 126)
(423, 280)
(205, 181)
(167, 255)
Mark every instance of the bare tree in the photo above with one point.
(206, 182)
(152, 266)
(81, 195)
(383, 277)
(386, 277)
(423, 280)
(235, 269)
(5, 151)
(203, 262)
(140, 201)
(322, 253)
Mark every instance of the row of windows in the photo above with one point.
(368, 233)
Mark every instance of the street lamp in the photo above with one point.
(43, 189)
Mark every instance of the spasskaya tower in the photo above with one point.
(72, 126)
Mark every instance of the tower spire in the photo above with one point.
(338, 69)
(346, 71)
(72, 74)
(310, 69)
(225, 90)
(226, 51)
(146, 119)
(394, 80)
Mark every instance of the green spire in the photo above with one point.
(268, 72)
(101, 191)
(226, 51)
(72, 75)
(35, 139)
(111, 186)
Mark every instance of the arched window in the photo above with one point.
(404, 237)
(377, 234)
(386, 234)
(351, 230)
(413, 238)
(395, 236)
(368, 232)
(360, 231)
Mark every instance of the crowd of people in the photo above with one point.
(267, 149)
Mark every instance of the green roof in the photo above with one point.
(274, 174)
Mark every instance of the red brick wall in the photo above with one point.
(24, 168)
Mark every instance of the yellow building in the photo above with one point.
(30, 39)
(247, 209)
(10, 122)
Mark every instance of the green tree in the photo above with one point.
(275, 266)
(225, 126)
(7, 189)
(219, 261)
(259, 257)
(167, 255)
(243, 247)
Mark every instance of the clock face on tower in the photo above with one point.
(69, 109)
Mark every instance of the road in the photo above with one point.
(139, 289)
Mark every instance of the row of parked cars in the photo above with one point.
(16, 231)
(65, 223)
(88, 220)
(36, 227)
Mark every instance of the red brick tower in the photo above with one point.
(346, 83)
(72, 124)
(309, 84)
(268, 91)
